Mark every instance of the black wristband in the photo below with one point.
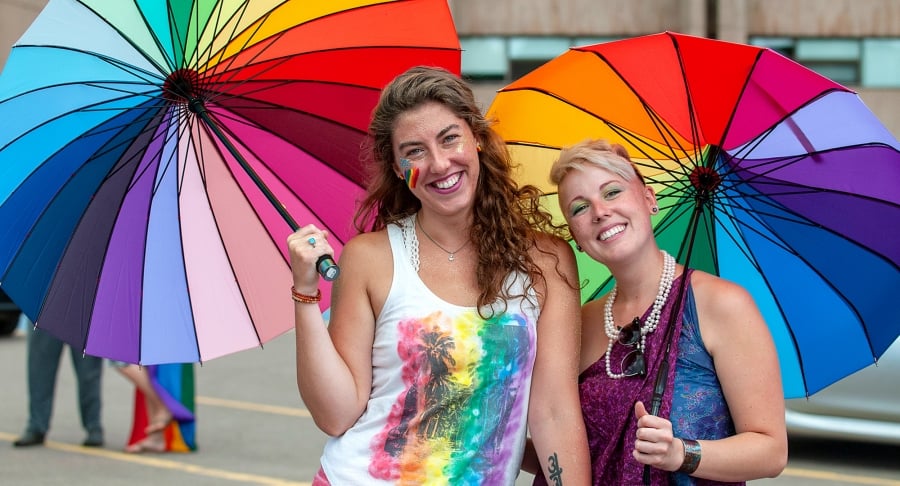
(691, 456)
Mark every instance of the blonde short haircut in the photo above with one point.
(611, 157)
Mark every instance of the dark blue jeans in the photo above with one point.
(44, 352)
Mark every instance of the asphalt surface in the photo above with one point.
(252, 428)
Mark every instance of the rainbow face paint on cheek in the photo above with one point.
(410, 173)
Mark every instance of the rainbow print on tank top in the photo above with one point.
(466, 382)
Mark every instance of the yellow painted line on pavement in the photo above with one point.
(301, 412)
(159, 463)
(253, 407)
(838, 478)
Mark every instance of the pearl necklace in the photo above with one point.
(650, 325)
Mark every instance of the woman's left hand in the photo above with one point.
(655, 444)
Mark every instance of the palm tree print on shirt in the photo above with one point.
(463, 378)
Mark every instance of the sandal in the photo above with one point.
(148, 444)
(158, 425)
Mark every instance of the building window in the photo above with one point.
(484, 57)
(527, 53)
(509, 58)
(881, 63)
(836, 59)
(870, 62)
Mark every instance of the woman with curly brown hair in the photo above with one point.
(454, 324)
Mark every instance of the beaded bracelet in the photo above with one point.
(691, 456)
(306, 299)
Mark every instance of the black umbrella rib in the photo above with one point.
(637, 143)
(148, 119)
(668, 137)
(206, 56)
(778, 163)
(695, 130)
(273, 39)
(785, 214)
(264, 105)
(634, 141)
(198, 108)
(799, 256)
(222, 68)
(226, 114)
(676, 211)
(737, 102)
(753, 261)
(785, 118)
(219, 93)
(124, 35)
(250, 35)
(143, 78)
(70, 112)
(184, 127)
(265, 189)
(755, 214)
(207, 123)
(141, 75)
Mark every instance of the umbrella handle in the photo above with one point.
(658, 389)
(327, 268)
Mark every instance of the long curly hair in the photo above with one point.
(506, 217)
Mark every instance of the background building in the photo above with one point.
(854, 42)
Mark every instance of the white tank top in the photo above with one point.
(450, 390)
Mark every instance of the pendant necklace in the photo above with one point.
(451, 255)
(665, 286)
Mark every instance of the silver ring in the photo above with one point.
(312, 241)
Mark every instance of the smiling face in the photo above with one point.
(436, 153)
(608, 215)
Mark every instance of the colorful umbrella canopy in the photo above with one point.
(767, 174)
(154, 155)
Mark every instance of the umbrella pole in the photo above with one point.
(197, 107)
(662, 375)
(325, 264)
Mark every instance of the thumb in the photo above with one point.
(639, 409)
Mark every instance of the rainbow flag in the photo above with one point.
(175, 385)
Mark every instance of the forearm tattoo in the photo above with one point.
(554, 470)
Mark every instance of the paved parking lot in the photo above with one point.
(251, 425)
(253, 429)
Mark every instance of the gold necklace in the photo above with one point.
(451, 254)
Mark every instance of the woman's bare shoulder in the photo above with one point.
(712, 291)
(367, 252)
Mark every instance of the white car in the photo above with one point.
(864, 406)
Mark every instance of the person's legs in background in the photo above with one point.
(158, 415)
(44, 353)
(89, 371)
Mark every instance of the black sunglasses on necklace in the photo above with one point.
(633, 364)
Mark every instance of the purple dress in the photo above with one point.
(693, 400)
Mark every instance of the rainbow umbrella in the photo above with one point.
(155, 156)
(767, 174)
